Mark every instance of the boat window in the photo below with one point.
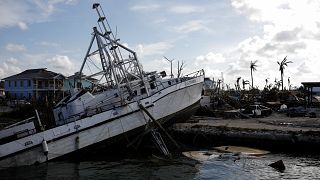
(169, 82)
(135, 92)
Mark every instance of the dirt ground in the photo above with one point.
(275, 121)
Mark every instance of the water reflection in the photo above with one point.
(148, 168)
(297, 167)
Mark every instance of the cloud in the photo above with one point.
(47, 44)
(289, 28)
(9, 67)
(15, 47)
(192, 26)
(210, 58)
(21, 13)
(287, 35)
(58, 63)
(12, 61)
(61, 62)
(153, 48)
(145, 8)
(22, 25)
(186, 9)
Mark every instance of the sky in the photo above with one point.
(222, 37)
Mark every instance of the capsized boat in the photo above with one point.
(121, 103)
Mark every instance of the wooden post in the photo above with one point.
(158, 124)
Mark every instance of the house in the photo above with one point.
(1, 88)
(73, 81)
(312, 90)
(34, 84)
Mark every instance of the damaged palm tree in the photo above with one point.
(253, 67)
(282, 66)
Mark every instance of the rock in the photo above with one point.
(279, 165)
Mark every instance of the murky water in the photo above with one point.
(297, 167)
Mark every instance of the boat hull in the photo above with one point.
(166, 106)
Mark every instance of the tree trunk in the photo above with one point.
(251, 80)
(282, 80)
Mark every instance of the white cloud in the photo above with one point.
(15, 47)
(210, 58)
(153, 48)
(22, 13)
(145, 8)
(48, 44)
(290, 28)
(12, 61)
(9, 67)
(186, 9)
(22, 25)
(192, 26)
(62, 63)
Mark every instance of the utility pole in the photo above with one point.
(171, 75)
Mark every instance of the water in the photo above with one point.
(297, 167)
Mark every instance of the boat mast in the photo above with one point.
(120, 65)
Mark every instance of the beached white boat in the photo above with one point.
(119, 105)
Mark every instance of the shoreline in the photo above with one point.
(276, 133)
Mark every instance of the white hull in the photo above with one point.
(100, 127)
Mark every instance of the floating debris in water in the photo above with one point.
(279, 165)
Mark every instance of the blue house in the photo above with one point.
(1, 88)
(34, 84)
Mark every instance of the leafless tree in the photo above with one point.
(238, 84)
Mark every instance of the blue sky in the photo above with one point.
(221, 37)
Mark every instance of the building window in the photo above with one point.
(29, 83)
(21, 83)
(9, 83)
(15, 83)
(39, 84)
(46, 84)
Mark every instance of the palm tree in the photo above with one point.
(253, 67)
(277, 83)
(282, 65)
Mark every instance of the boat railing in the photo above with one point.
(195, 74)
(192, 75)
(90, 111)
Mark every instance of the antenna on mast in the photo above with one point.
(171, 75)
